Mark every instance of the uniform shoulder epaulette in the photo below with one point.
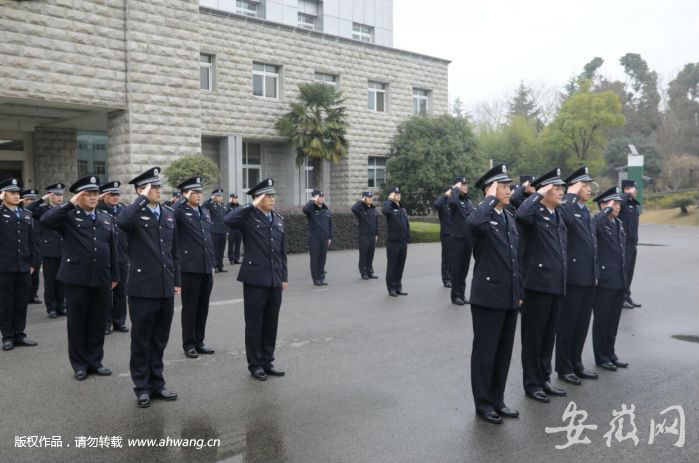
(168, 207)
(279, 215)
(506, 210)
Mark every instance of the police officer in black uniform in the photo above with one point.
(50, 244)
(263, 274)
(218, 212)
(583, 272)
(26, 198)
(89, 270)
(545, 272)
(397, 236)
(461, 241)
(176, 196)
(522, 191)
(496, 295)
(320, 233)
(194, 236)
(444, 213)
(110, 203)
(154, 280)
(234, 236)
(629, 215)
(18, 251)
(368, 228)
(609, 296)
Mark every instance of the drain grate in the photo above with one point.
(686, 337)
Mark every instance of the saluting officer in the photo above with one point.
(461, 240)
(444, 213)
(26, 198)
(583, 272)
(263, 274)
(609, 296)
(629, 215)
(176, 196)
(218, 212)
(16, 265)
(496, 295)
(368, 221)
(397, 236)
(522, 191)
(194, 236)
(89, 270)
(320, 233)
(234, 236)
(50, 243)
(545, 271)
(110, 203)
(154, 280)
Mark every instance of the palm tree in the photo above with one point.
(317, 123)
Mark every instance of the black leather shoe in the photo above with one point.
(539, 396)
(491, 417)
(259, 374)
(274, 371)
(205, 350)
(26, 342)
(35, 300)
(467, 301)
(62, 312)
(393, 294)
(634, 303)
(373, 277)
(107, 331)
(609, 366)
(458, 301)
(53, 314)
(317, 282)
(222, 270)
(401, 293)
(121, 328)
(217, 270)
(447, 284)
(620, 364)
(80, 375)
(236, 262)
(365, 277)
(103, 371)
(626, 305)
(570, 378)
(324, 283)
(507, 412)
(550, 389)
(8, 345)
(584, 374)
(191, 353)
(165, 394)
(143, 400)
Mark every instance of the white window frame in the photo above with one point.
(243, 7)
(375, 87)
(305, 25)
(419, 95)
(264, 74)
(372, 168)
(247, 167)
(210, 69)
(328, 79)
(363, 33)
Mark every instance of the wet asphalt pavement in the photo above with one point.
(369, 377)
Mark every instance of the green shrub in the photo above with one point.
(671, 200)
(189, 166)
(424, 232)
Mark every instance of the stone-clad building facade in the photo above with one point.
(111, 87)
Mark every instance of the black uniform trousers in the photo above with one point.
(630, 254)
(607, 310)
(540, 313)
(573, 325)
(54, 294)
(396, 253)
(219, 248)
(493, 339)
(446, 257)
(234, 240)
(15, 289)
(460, 259)
(151, 319)
(318, 250)
(87, 308)
(196, 289)
(367, 246)
(116, 315)
(261, 318)
(35, 283)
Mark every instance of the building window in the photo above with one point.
(377, 96)
(329, 79)
(246, 8)
(265, 80)
(421, 101)
(252, 164)
(206, 72)
(377, 172)
(92, 154)
(307, 21)
(11, 145)
(362, 33)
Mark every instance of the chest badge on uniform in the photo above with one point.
(492, 222)
(145, 217)
(546, 218)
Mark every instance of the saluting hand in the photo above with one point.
(609, 203)
(101, 196)
(256, 202)
(47, 196)
(574, 189)
(74, 200)
(2, 195)
(146, 190)
(545, 189)
(492, 189)
(187, 194)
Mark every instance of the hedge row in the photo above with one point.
(670, 200)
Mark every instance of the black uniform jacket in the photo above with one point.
(368, 217)
(218, 212)
(461, 206)
(320, 222)
(397, 224)
(442, 206)
(18, 247)
(612, 251)
(122, 239)
(195, 240)
(583, 268)
(49, 239)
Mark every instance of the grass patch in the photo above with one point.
(424, 232)
(671, 217)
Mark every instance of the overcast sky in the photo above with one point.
(493, 44)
